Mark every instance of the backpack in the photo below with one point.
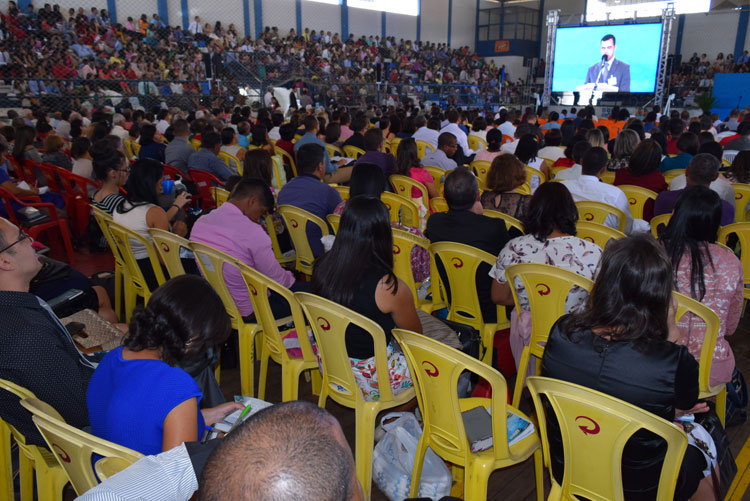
(737, 399)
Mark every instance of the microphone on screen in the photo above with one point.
(604, 60)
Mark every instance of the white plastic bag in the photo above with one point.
(393, 461)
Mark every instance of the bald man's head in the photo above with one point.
(293, 450)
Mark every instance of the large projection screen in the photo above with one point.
(632, 58)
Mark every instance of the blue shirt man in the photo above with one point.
(207, 159)
(334, 172)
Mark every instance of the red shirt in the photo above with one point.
(653, 181)
(287, 146)
(724, 141)
(672, 147)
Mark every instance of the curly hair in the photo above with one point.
(184, 317)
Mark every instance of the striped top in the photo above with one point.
(109, 203)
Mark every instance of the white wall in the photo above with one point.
(67, 4)
(434, 21)
(710, 33)
(566, 8)
(279, 13)
(464, 23)
(321, 16)
(365, 22)
(135, 10)
(400, 26)
(513, 66)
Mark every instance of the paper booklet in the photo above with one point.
(478, 426)
(226, 424)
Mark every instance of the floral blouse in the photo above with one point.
(724, 295)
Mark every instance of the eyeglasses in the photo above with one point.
(127, 169)
(22, 235)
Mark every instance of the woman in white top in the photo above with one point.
(140, 210)
(79, 150)
(229, 145)
(550, 225)
(526, 152)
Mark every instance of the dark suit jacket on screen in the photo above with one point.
(619, 70)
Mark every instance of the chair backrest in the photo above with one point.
(742, 230)
(476, 143)
(353, 151)
(422, 147)
(400, 209)
(279, 172)
(438, 174)
(289, 159)
(173, 173)
(608, 177)
(232, 161)
(555, 170)
(403, 243)
(219, 195)
(123, 238)
(595, 428)
(75, 184)
(597, 233)
(686, 304)
(195, 144)
(510, 221)
(439, 204)
(403, 185)
(21, 393)
(662, 220)
(135, 148)
(50, 175)
(334, 151)
(211, 262)
(507, 139)
(103, 219)
(392, 146)
(481, 168)
(435, 369)
(637, 197)
(673, 173)
(204, 181)
(258, 286)
(168, 245)
(343, 191)
(334, 220)
(597, 212)
(296, 221)
(460, 263)
(741, 198)
(329, 321)
(74, 448)
(531, 172)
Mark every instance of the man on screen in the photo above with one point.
(610, 71)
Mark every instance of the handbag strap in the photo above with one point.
(715, 481)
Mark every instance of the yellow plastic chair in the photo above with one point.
(289, 159)
(524, 189)
(741, 198)
(403, 185)
(637, 197)
(439, 204)
(103, 219)
(128, 145)
(422, 147)
(438, 174)
(271, 230)
(279, 173)
(329, 322)
(608, 177)
(212, 262)
(259, 286)
(135, 147)
(195, 144)
(403, 243)
(73, 448)
(343, 191)
(400, 209)
(742, 230)
(460, 263)
(136, 284)
(232, 161)
(555, 170)
(685, 305)
(531, 172)
(597, 212)
(597, 233)
(334, 220)
(476, 143)
(547, 288)
(510, 221)
(219, 194)
(435, 369)
(353, 152)
(296, 221)
(297, 137)
(593, 460)
(33, 461)
(673, 173)
(657, 221)
(481, 168)
(334, 151)
(168, 246)
(393, 146)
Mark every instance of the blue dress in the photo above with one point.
(128, 400)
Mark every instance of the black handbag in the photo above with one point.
(726, 464)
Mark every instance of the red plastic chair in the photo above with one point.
(54, 222)
(51, 178)
(77, 199)
(17, 169)
(174, 173)
(204, 180)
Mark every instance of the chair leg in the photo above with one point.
(488, 342)
(539, 474)
(50, 483)
(247, 369)
(264, 374)
(315, 380)
(289, 384)
(523, 368)
(364, 443)
(118, 292)
(65, 234)
(6, 462)
(26, 476)
(476, 475)
(130, 297)
(721, 405)
(416, 473)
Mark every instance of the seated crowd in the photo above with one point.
(510, 183)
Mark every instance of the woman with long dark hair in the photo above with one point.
(358, 273)
(409, 164)
(622, 344)
(643, 170)
(139, 397)
(706, 272)
(150, 148)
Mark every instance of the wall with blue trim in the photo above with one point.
(320, 16)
